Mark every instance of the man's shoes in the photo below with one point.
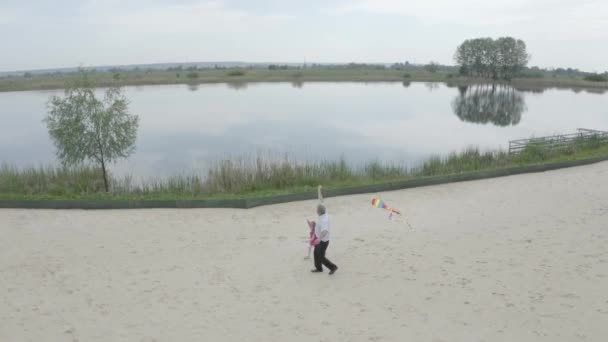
(333, 271)
(316, 271)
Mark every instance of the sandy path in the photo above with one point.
(521, 258)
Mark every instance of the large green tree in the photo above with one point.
(503, 58)
(85, 128)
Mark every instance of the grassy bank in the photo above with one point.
(255, 177)
(135, 78)
(295, 76)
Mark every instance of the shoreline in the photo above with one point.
(252, 201)
(298, 77)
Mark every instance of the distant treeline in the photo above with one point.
(503, 58)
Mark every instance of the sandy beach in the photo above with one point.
(522, 258)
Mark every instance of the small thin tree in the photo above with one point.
(84, 128)
(432, 67)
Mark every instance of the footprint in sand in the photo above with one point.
(536, 297)
(570, 296)
(464, 282)
(359, 306)
(448, 260)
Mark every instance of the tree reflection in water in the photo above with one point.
(501, 105)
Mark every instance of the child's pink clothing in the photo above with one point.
(313, 238)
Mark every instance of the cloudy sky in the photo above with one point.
(61, 33)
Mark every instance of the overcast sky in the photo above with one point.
(63, 33)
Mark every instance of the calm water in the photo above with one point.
(182, 127)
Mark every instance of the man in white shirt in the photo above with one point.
(322, 233)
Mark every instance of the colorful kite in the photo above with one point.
(378, 203)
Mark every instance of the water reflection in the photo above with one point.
(432, 86)
(598, 91)
(237, 85)
(321, 120)
(500, 105)
(530, 89)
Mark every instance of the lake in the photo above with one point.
(183, 128)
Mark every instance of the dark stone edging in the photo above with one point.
(256, 202)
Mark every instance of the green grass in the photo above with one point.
(53, 181)
(296, 76)
(266, 176)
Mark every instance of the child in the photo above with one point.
(313, 237)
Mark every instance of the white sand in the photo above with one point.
(521, 258)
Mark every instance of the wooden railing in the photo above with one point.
(558, 141)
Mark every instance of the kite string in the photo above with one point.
(406, 221)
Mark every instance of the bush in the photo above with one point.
(532, 74)
(192, 75)
(407, 75)
(432, 67)
(236, 72)
(534, 152)
(596, 78)
(588, 142)
(277, 67)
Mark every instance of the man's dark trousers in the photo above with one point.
(320, 258)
